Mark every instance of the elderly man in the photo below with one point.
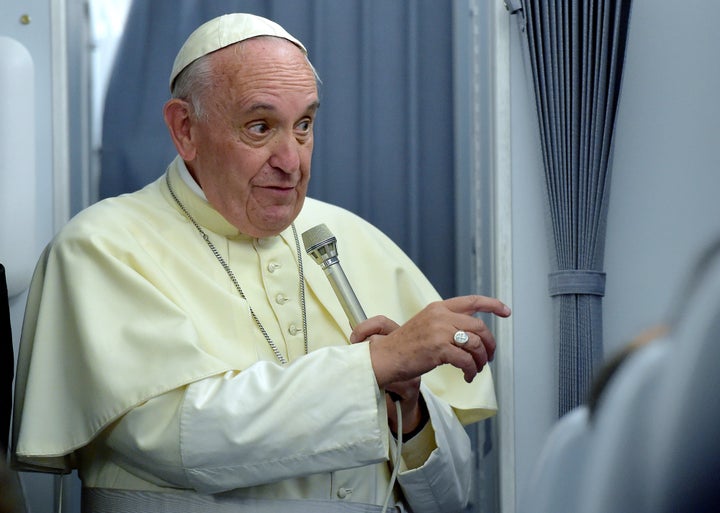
(184, 354)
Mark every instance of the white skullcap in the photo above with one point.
(224, 31)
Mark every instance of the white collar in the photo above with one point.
(189, 180)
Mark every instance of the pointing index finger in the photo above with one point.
(473, 303)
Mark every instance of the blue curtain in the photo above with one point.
(575, 51)
(384, 136)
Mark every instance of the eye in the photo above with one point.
(258, 128)
(305, 126)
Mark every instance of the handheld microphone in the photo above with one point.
(321, 244)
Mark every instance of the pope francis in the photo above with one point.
(183, 353)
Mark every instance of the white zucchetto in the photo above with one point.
(223, 31)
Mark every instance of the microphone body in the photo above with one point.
(321, 244)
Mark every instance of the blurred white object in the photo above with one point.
(107, 23)
(17, 164)
(557, 474)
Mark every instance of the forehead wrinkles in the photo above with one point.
(262, 66)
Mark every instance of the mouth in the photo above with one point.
(277, 193)
(278, 189)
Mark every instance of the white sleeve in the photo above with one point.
(442, 482)
(323, 412)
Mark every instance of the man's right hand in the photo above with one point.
(426, 340)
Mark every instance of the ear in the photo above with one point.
(179, 122)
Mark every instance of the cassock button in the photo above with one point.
(293, 330)
(281, 299)
(273, 266)
(343, 492)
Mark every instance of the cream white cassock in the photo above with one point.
(141, 366)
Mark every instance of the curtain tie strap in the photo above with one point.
(576, 281)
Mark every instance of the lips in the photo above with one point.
(276, 193)
(279, 187)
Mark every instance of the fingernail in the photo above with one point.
(353, 338)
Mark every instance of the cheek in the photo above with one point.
(306, 158)
(238, 165)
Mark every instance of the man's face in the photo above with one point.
(254, 144)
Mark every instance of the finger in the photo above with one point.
(481, 355)
(477, 349)
(480, 335)
(487, 340)
(463, 360)
(472, 304)
(378, 325)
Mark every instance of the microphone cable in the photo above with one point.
(398, 449)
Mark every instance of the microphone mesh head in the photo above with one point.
(320, 243)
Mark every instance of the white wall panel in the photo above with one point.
(664, 205)
(37, 26)
(17, 163)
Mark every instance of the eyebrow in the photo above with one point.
(312, 107)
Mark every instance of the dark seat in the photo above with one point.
(7, 361)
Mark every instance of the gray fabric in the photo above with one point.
(575, 51)
(576, 282)
(105, 500)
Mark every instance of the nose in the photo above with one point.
(285, 153)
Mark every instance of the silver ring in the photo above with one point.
(460, 338)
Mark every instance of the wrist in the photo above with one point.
(413, 422)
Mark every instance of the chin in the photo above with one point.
(271, 227)
(268, 220)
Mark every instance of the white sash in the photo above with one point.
(107, 500)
